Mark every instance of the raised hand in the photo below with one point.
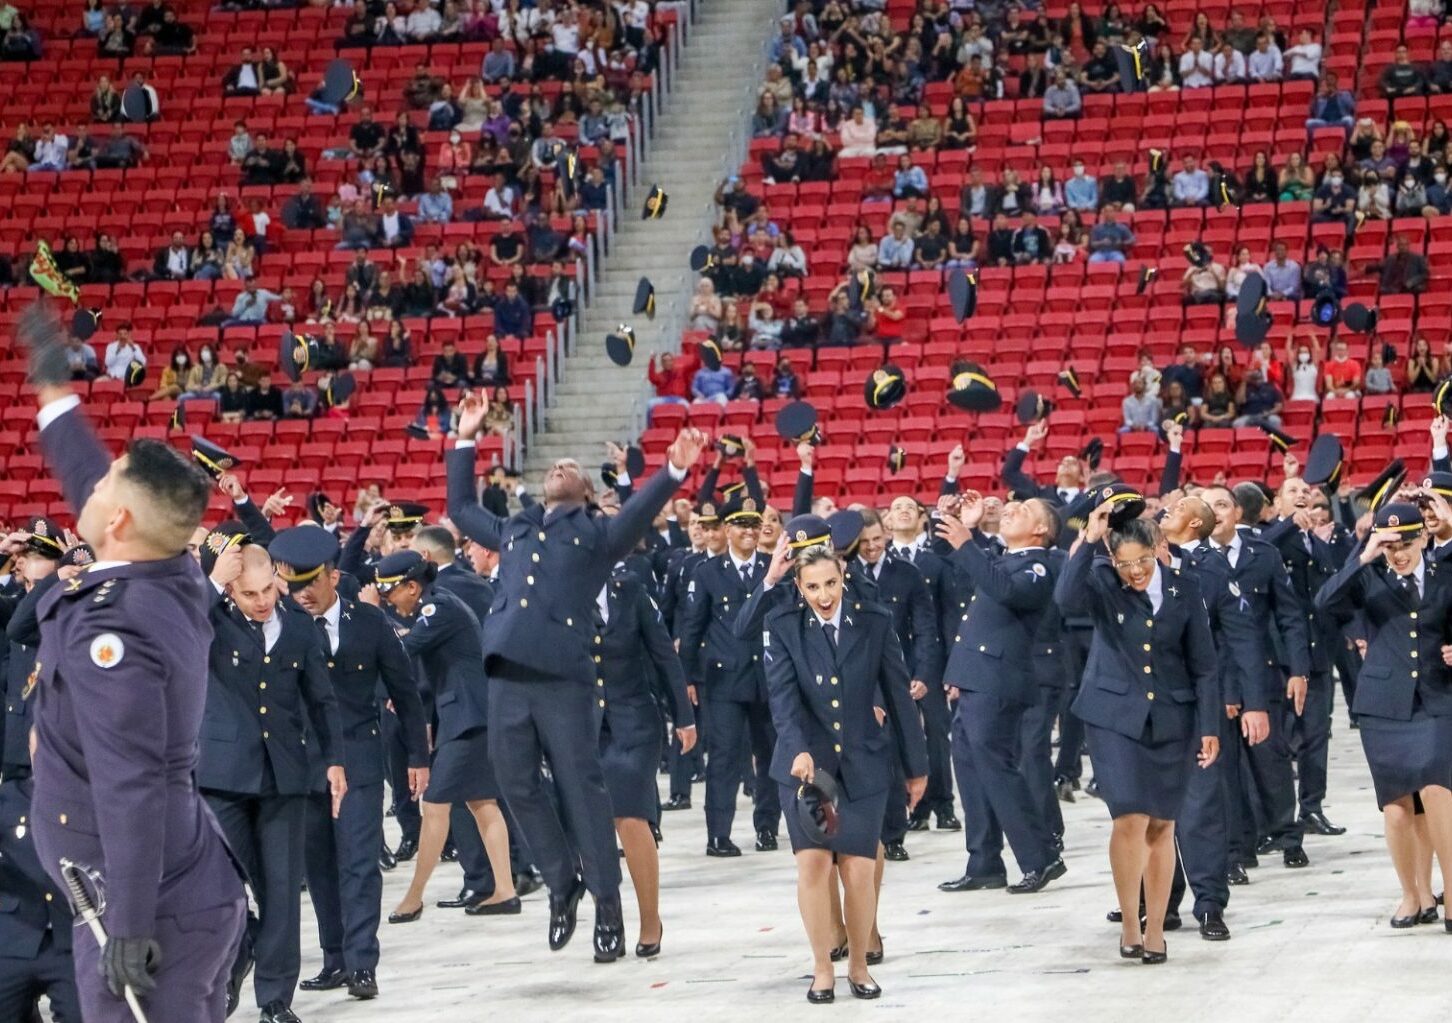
(1036, 432)
(956, 460)
(687, 448)
(471, 417)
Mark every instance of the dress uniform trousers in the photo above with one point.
(344, 879)
(1070, 763)
(547, 719)
(734, 728)
(685, 767)
(1309, 738)
(405, 810)
(23, 979)
(987, 753)
(265, 833)
(1036, 762)
(1269, 788)
(937, 729)
(35, 939)
(1202, 831)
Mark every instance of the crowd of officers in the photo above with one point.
(428, 671)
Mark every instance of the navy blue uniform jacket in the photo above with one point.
(636, 648)
(443, 636)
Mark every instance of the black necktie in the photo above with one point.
(746, 575)
(831, 632)
(322, 624)
(906, 553)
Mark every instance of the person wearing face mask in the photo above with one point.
(1403, 701)
(1333, 201)
(173, 376)
(1439, 197)
(1081, 192)
(1305, 359)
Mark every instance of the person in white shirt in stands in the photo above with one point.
(122, 352)
(1196, 66)
(423, 23)
(51, 150)
(1265, 63)
(499, 200)
(1304, 57)
(1229, 65)
(566, 33)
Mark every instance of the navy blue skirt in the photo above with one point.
(1406, 756)
(630, 756)
(461, 770)
(1141, 775)
(859, 830)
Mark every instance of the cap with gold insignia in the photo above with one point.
(1325, 462)
(1126, 502)
(963, 293)
(729, 492)
(730, 445)
(402, 567)
(213, 457)
(655, 203)
(84, 323)
(303, 553)
(1439, 483)
(135, 373)
(885, 387)
(1400, 518)
(46, 538)
(1381, 490)
(805, 531)
(635, 462)
(644, 299)
(1252, 319)
(620, 345)
(79, 556)
(708, 513)
(702, 259)
(219, 541)
(296, 354)
(403, 516)
(896, 459)
(1147, 274)
(1070, 381)
(861, 287)
(1442, 397)
(1280, 439)
(1197, 254)
(973, 390)
(797, 422)
(742, 512)
(709, 352)
(846, 528)
(1032, 407)
(337, 389)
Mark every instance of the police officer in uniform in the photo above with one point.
(727, 673)
(344, 879)
(118, 697)
(990, 663)
(539, 645)
(707, 535)
(270, 728)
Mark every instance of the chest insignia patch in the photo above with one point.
(107, 650)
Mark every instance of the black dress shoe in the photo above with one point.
(405, 918)
(1296, 858)
(563, 907)
(467, 897)
(363, 985)
(895, 851)
(509, 907)
(677, 803)
(1092, 789)
(386, 860)
(327, 980)
(765, 841)
(1212, 927)
(1155, 958)
(276, 1012)
(1448, 925)
(1317, 824)
(947, 822)
(1114, 916)
(1428, 915)
(1402, 923)
(651, 950)
(918, 824)
(1266, 845)
(1131, 951)
(1236, 875)
(1064, 789)
(874, 958)
(526, 883)
(449, 854)
(839, 953)
(868, 990)
(609, 932)
(1250, 862)
(1038, 880)
(821, 997)
(1173, 921)
(970, 883)
(406, 850)
(722, 847)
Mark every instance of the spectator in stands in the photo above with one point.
(788, 259)
(366, 137)
(1304, 373)
(1439, 196)
(1224, 363)
(19, 152)
(51, 150)
(1296, 181)
(749, 386)
(1440, 77)
(73, 264)
(105, 102)
(1342, 373)
(1304, 58)
(1423, 368)
(437, 205)
(237, 263)
(960, 130)
(669, 380)
(119, 151)
(930, 248)
(1101, 70)
(266, 401)
(1265, 63)
(842, 326)
(93, 18)
(910, 216)
(1061, 99)
(1378, 162)
(115, 40)
(1243, 268)
(1404, 272)
(770, 117)
(1197, 67)
(1401, 77)
(1204, 284)
(1282, 275)
(1325, 273)
(251, 305)
(1081, 192)
(363, 352)
(173, 262)
(885, 316)
(1373, 198)
(1190, 185)
(1141, 411)
(962, 245)
(1186, 371)
(858, 135)
(1175, 406)
(1011, 196)
(81, 360)
(1046, 196)
(207, 258)
(303, 211)
(239, 144)
(1259, 402)
(499, 417)
(1378, 375)
(1334, 201)
(232, 400)
(498, 62)
(173, 375)
(299, 401)
(260, 165)
(732, 332)
(895, 250)
(1000, 242)
(106, 263)
(122, 352)
(1261, 185)
(450, 368)
(395, 227)
(1109, 240)
(1217, 411)
(801, 329)
(513, 316)
(1365, 134)
(244, 78)
(1031, 243)
(1034, 80)
(1118, 190)
(205, 377)
(1410, 198)
(924, 130)
(491, 366)
(909, 181)
(863, 254)
(712, 385)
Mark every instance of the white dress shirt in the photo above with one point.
(1155, 590)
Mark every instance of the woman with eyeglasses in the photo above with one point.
(839, 693)
(1150, 688)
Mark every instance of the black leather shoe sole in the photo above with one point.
(895, 852)
(973, 884)
(766, 843)
(711, 850)
(1155, 958)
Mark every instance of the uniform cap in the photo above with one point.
(79, 556)
(1401, 518)
(885, 387)
(805, 531)
(620, 346)
(702, 259)
(963, 293)
(655, 203)
(1127, 503)
(1359, 319)
(1439, 483)
(709, 352)
(338, 389)
(401, 567)
(405, 515)
(213, 458)
(818, 804)
(708, 512)
(84, 323)
(974, 391)
(896, 459)
(1147, 274)
(219, 541)
(861, 287)
(302, 553)
(295, 354)
(340, 83)
(1092, 452)
(846, 527)
(1326, 309)
(1252, 320)
(608, 474)
(635, 462)
(135, 373)
(644, 299)
(136, 103)
(742, 512)
(1280, 439)
(1070, 380)
(46, 538)
(797, 422)
(730, 445)
(1325, 461)
(1032, 407)
(1380, 491)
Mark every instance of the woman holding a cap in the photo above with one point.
(1150, 688)
(1403, 699)
(831, 665)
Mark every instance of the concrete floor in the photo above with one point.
(1312, 941)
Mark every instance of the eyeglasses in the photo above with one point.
(1130, 566)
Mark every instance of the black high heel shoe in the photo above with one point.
(405, 918)
(839, 953)
(874, 958)
(1155, 958)
(1402, 923)
(868, 990)
(645, 951)
(1428, 915)
(1131, 951)
(821, 997)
